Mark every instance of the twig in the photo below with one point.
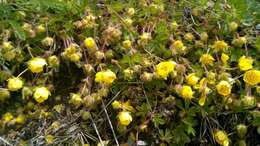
(110, 124)
(22, 72)
(5, 141)
(95, 127)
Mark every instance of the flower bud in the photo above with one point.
(248, 102)
(103, 92)
(14, 84)
(174, 25)
(31, 33)
(75, 99)
(137, 68)
(128, 74)
(127, 44)
(204, 36)
(26, 92)
(85, 115)
(241, 130)
(53, 61)
(88, 69)
(48, 41)
(146, 77)
(130, 11)
(233, 26)
(128, 21)
(239, 42)
(188, 37)
(9, 55)
(27, 27)
(99, 55)
(40, 28)
(4, 94)
(7, 46)
(199, 44)
(241, 143)
(109, 54)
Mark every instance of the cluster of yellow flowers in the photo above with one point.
(10, 119)
(72, 53)
(124, 116)
(35, 65)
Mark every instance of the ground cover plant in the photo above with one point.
(130, 72)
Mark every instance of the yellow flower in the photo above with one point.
(116, 104)
(220, 45)
(224, 88)
(186, 92)
(224, 58)
(90, 43)
(106, 77)
(221, 137)
(14, 84)
(252, 77)
(36, 64)
(163, 69)
(7, 117)
(245, 63)
(20, 119)
(192, 79)
(41, 94)
(207, 59)
(125, 118)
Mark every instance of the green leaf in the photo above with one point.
(17, 29)
(165, 136)
(158, 120)
(191, 130)
(130, 60)
(143, 109)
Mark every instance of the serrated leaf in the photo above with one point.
(17, 29)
